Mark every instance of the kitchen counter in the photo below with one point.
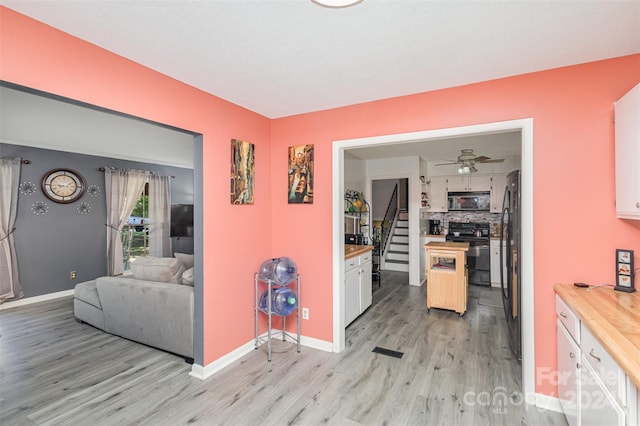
(448, 245)
(613, 317)
(353, 250)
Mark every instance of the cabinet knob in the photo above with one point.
(572, 355)
(638, 204)
(594, 356)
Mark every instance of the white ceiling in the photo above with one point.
(506, 145)
(285, 57)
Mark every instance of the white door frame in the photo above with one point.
(525, 126)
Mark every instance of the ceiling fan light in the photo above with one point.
(336, 4)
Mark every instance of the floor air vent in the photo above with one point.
(388, 352)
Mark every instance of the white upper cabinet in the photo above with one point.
(438, 194)
(498, 186)
(469, 182)
(627, 123)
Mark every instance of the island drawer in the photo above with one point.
(568, 318)
(611, 374)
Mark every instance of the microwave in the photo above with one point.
(479, 201)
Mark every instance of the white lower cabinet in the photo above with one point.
(597, 406)
(351, 294)
(592, 388)
(494, 247)
(357, 286)
(568, 378)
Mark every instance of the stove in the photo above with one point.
(478, 256)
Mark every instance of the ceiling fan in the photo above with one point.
(467, 160)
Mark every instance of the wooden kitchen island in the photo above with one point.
(447, 278)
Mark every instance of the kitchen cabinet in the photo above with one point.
(469, 182)
(447, 277)
(597, 406)
(602, 385)
(627, 155)
(592, 388)
(437, 194)
(494, 246)
(358, 285)
(498, 186)
(568, 385)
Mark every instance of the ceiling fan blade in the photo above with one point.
(448, 164)
(481, 158)
(496, 160)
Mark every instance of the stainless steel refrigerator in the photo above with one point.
(511, 261)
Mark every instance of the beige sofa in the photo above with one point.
(152, 306)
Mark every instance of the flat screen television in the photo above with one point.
(182, 220)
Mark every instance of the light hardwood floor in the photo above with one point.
(454, 371)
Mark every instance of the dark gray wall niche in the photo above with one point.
(52, 245)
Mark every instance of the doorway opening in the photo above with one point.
(525, 127)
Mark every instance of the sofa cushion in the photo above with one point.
(88, 293)
(160, 269)
(186, 259)
(156, 314)
(187, 277)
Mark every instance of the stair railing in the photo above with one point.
(389, 217)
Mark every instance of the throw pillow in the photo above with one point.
(187, 277)
(161, 269)
(186, 259)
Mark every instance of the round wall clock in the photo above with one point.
(63, 185)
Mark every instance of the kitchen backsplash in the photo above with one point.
(445, 218)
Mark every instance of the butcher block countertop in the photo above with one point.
(613, 317)
(447, 245)
(353, 250)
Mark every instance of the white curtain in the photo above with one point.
(122, 189)
(9, 181)
(159, 216)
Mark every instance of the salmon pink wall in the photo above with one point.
(236, 238)
(575, 228)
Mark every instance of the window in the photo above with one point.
(135, 234)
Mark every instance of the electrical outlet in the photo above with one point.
(72, 275)
(305, 313)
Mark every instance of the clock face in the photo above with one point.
(63, 185)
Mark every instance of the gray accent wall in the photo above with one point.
(51, 245)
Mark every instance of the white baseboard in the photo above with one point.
(36, 299)
(208, 370)
(548, 402)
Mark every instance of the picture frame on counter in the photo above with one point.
(624, 271)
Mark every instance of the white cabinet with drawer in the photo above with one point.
(357, 286)
(597, 406)
(611, 375)
(568, 384)
(568, 318)
(592, 388)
